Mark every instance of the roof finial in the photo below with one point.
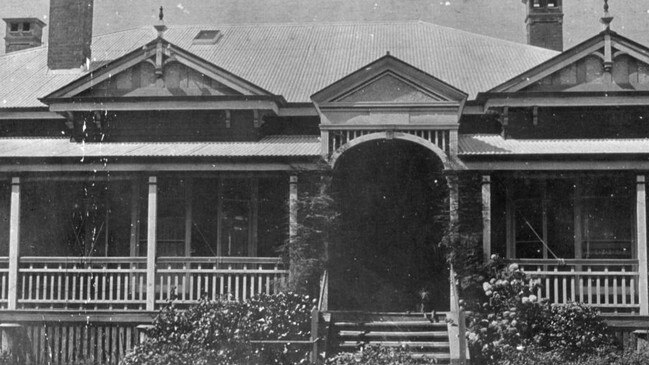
(606, 19)
(387, 53)
(161, 27)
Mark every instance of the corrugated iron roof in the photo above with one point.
(296, 60)
(495, 145)
(271, 146)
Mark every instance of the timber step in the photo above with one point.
(426, 335)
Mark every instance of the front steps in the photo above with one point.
(426, 335)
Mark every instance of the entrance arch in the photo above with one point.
(388, 135)
(393, 199)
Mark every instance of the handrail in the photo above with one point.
(220, 260)
(142, 259)
(609, 262)
(323, 298)
(81, 259)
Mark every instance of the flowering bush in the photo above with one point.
(378, 355)
(534, 356)
(219, 333)
(512, 319)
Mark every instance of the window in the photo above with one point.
(571, 218)
(26, 27)
(13, 27)
(607, 219)
(236, 216)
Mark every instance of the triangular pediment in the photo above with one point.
(389, 88)
(607, 62)
(388, 81)
(159, 69)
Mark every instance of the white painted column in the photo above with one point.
(292, 207)
(641, 239)
(151, 243)
(486, 217)
(14, 243)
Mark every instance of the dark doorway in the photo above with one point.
(393, 200)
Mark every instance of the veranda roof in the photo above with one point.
(271, 146)
(496, 145)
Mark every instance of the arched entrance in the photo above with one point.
(393, 199)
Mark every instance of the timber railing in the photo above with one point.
(82, 282)
(187, 279)
(120, 283)
(610, 285)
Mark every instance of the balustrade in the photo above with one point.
(610, 285)
(187, 279)
(88, 282)
(119, 283)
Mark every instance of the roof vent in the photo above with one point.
(207, 37)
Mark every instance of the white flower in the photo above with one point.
(533, 298)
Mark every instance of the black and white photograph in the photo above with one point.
(324, 182)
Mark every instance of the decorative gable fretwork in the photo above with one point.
(175, 79)
(593, 73)
(161, 76)
(607, 69)
(389, 99)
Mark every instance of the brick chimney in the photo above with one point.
(70, 34)
(23, 33)
(545, 23)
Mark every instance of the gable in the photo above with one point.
(158, 69)
(607, 62)
(391, 82)
(389, 93)
(389, 88)
(589, 74)
(176, 80)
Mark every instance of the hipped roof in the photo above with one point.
(295, 60)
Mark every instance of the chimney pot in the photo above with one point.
(545, 23)
(23, 33)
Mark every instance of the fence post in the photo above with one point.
(315, 320)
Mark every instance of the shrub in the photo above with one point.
(219, 332)
(307, 250)
(511, 320)
(378, 355)
(574, 329)
(535, 356)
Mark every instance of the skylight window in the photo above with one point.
(207, 36)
